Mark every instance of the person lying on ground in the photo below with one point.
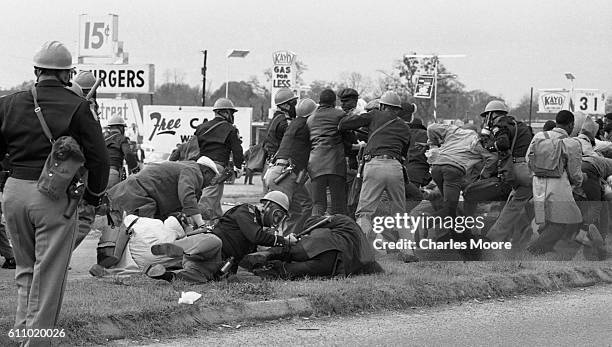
(328, 246)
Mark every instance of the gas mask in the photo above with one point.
(273, 215)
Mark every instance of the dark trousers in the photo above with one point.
(550, 234)
(337, 187)
(449, 180)
(302, 265)
(248, 176)
(592, 208)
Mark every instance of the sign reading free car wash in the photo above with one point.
(123, 78)
(166, 126)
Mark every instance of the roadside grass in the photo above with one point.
(148, 308)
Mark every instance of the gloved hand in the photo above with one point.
(291, 239)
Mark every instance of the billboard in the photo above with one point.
(163, 127)
(127, 109)
(123, 78)
(284, 72)
(590, 101)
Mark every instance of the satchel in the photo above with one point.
(257, 158)
(63, 166)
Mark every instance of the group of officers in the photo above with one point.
(166, 219)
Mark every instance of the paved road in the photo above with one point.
(574, 318)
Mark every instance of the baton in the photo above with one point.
(311, 228)
(93, 89)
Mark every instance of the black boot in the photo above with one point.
(106, 257)
(257, 259)
(158, 272)
(274, 269)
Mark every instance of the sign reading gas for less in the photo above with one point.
(137, 79)
(284, 71)
(97, 35)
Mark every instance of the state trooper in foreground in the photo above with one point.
(35, 218)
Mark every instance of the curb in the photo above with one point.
(194, 317)
(116, 329)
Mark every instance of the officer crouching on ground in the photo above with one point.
(43, 237)
(157, 191)
(238, 233)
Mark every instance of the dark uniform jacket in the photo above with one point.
(275, 133)
(220, 142)
(296, 144)
(393, 140)
(503, 133)
(119, 149)
(340, 234)
(327, 153)
(160, 189)
(241, 232)
(417, 166)
(65, 113)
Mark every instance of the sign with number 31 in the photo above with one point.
(97, 35)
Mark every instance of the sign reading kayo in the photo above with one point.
(166, 126)
(590, 101)
(284, 71)
(138, 79)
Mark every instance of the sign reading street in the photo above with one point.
(424, 87)
(138, 79)
(127, 109)
(97, 35)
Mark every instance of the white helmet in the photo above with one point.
(206, 161)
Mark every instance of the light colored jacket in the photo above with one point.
(458, 147)
(553, 199)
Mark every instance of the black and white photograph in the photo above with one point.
(319, 173)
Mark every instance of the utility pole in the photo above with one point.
(435, 74)
(205, 52)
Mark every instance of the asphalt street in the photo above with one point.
(581, 317)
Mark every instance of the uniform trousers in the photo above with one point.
(514, 222)
(380, 175)
(43, 239)
(300, 203)
(449, 180)
(210, 202)
(337, 188)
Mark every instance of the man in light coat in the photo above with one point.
(553, 197)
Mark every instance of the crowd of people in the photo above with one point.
(327, 169)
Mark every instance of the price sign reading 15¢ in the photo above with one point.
(97, 35)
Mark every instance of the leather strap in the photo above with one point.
(40, 116)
